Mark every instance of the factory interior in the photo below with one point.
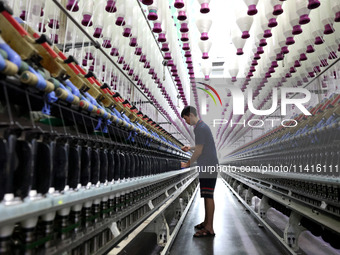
(92, 134)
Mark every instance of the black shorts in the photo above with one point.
(207, 187)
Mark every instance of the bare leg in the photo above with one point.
(204, 223)
(205, 212)
(209, 214)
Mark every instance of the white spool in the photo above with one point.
(107, 31)
(206, 68)
(87, 13)
(153, 11)
(130, 11)
(303, 11)
(205, 47)
(294, 18)
(157, 25)
(116, 32)
(182, 13)
(316, 25)
(326, 17)
(251, 6)
(121, 12)
(238, 41)
(204, 6)
(203, 23)
(244, 23)
(264, 25)
(233, 68)
(287, 29)
(98, 18)
(268, 10)
(336, 10)
(308, 38)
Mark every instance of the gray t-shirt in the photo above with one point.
(204, 136)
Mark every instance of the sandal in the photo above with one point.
(204, 233)
(200, 226)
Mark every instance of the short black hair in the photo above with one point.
(187, 110)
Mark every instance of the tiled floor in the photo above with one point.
(237, 232)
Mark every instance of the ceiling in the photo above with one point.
(222, 57)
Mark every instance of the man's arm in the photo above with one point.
(194, 157)
(188, 148)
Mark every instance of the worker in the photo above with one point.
(206, 157)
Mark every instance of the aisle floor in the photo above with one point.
(237, 231)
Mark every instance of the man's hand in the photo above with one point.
(185, 164)
(185, 148)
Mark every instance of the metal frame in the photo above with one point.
(14, 213)
(157, 213)
(315, 213)
(179, 225)
(258, 218)
(122, 235)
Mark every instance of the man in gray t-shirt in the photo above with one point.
(205, 155)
